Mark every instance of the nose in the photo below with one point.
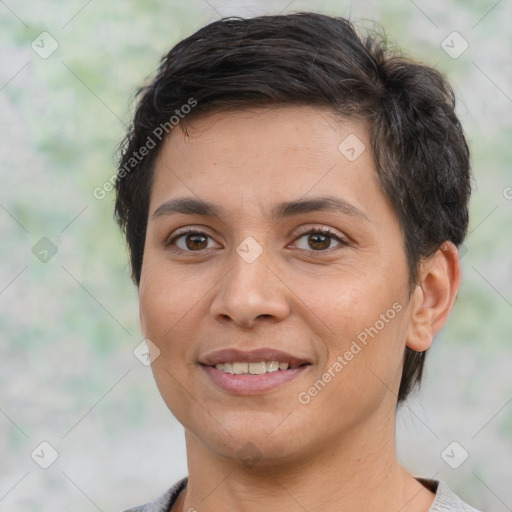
(249, 293)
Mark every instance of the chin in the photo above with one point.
(251, 439)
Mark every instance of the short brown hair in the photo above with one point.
(420, 151)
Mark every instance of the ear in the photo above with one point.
(433, 297)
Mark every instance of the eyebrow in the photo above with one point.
(193, 206)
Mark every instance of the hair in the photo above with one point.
(418, 145)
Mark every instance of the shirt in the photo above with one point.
(445, 500)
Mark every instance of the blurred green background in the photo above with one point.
(69, 319)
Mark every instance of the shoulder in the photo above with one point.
(162, 503)
(447, 501)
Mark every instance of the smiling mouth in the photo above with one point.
(255, 368)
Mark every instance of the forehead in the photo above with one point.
(266, 154)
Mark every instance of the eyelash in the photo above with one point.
(311, 231)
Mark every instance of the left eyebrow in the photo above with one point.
(194, 206)
(325, 204)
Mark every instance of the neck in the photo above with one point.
(354, 474)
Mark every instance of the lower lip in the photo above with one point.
(252, 384)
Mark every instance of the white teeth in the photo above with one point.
(272, 366)
(258, 368)
(240, 368)
(224, 367)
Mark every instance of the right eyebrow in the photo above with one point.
(188, 206)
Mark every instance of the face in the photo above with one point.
(283, 248)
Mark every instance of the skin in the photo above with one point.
(307, 297)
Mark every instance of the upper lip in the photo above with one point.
(232, 355)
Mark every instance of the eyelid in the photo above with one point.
(182, 232)
(340, 237)
(322, 229)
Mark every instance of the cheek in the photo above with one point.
(164, 305)
(367, 322)
(163, 312)
(364, 359)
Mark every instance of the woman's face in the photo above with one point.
(254, 279)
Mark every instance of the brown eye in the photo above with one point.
(196, 241)
(190, 240)
(319, 241)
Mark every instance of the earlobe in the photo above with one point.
(433, 296)
(420, 333)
